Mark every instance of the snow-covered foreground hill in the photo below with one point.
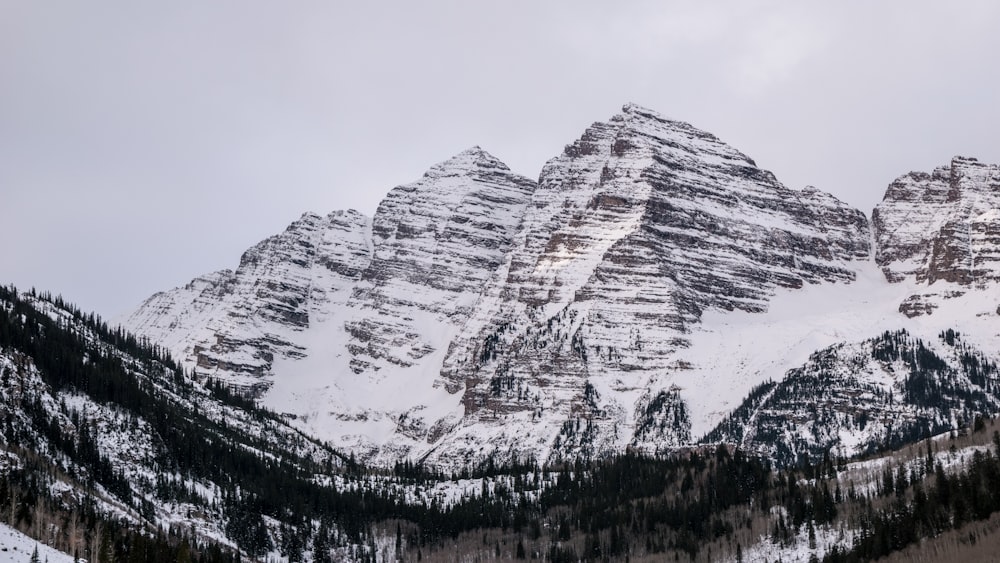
(16, 547)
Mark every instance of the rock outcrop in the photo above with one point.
(941, 230)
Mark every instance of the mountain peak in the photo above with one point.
(638, 132)
(633, 113)
(635, 110)
(632, 107)
(472, 158)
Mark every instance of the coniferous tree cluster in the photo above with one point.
(926, 502)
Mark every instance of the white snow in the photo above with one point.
(16, 547)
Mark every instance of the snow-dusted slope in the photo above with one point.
(97, 420)
(16, 547)
(368, 382)
(233, 325)
(935, 269)
(859, 397)
(344, 320)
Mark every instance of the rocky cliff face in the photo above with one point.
(352, 311)
(482, 313)
(941, 230)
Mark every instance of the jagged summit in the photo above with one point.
(636, 114)
(467, 162)
(643, 120)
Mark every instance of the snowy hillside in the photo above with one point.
(99, 428)
(19, 548)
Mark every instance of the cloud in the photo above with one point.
(773, 47)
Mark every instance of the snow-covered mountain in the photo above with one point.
(236, 324)
(631, 298)
(635, 231)
(911, 349)
(343, 321)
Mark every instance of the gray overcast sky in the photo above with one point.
(145, 143)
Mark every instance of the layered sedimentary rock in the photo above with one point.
(436, 242)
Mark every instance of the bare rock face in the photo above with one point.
(941, 226)
(366, 307)
(436, 242)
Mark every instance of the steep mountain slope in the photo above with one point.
(484, 314)
(936, 247)
(436, 241)
(354, 313)
(110, 451)
(97, 425)
(937, 244)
